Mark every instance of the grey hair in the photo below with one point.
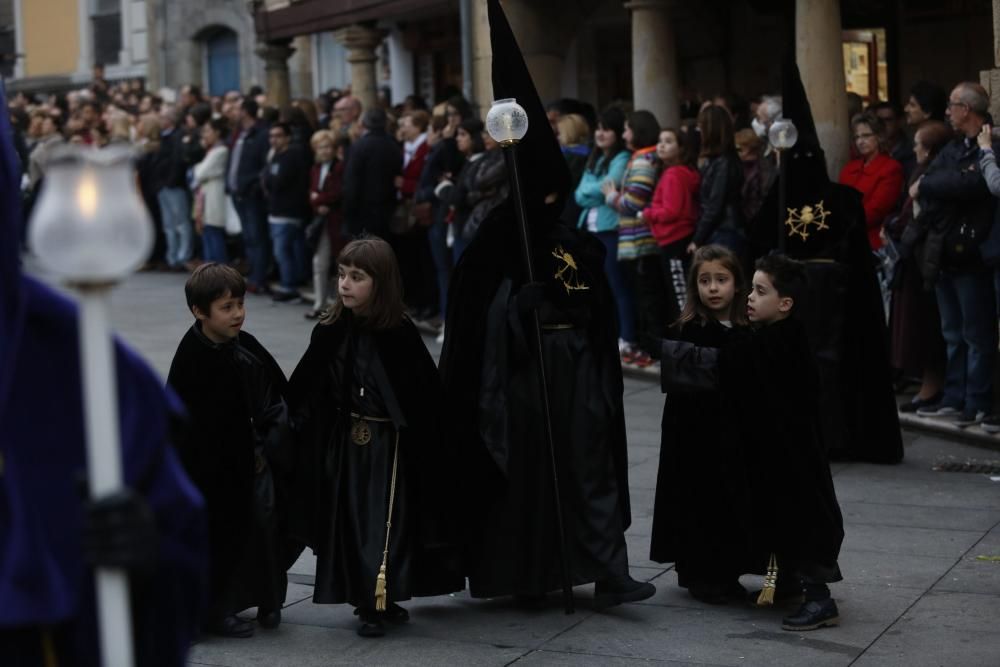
(771, 104)
(974, 96)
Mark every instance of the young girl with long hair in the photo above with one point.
(697, 521)
(372, 472)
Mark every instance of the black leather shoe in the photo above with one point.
(813, 615)
(231, 626)
(371, 623)
(269, 619)
(611, 592)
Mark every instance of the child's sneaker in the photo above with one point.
(642, 359)
(629, 353)
(969, 418)
(991, 424)
(939, 412)
(813, 615)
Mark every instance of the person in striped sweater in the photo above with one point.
(638, 252)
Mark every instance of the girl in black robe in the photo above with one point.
(701, 483)
(372, 470)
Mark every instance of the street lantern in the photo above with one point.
(92, 230)
(507, 124)
(783, 135)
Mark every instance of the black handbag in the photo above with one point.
(314, 232)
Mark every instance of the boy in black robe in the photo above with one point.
(770, 381)
(233, 388)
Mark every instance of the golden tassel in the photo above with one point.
(381, 590)
(49, 658)
(766, 596)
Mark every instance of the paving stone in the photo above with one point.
(293, 645)
(972, 575)
(908, 540)
(555, 658)
(953, 629)
(885, 514)
(903, 570)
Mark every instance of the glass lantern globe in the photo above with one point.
(783, 134)
(507, 121)
(90, 225)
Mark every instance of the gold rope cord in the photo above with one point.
(381, 594)
(766, 596)
(49, 658)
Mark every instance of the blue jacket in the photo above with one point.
(588, 193)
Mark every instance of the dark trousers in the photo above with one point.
(256, 238)
(646, 274)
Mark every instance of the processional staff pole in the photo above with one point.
(507, 123)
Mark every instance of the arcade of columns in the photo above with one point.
(654, 61)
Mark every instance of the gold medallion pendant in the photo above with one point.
(361, 434)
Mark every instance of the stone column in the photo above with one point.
(819, 53)
(300, 67)
(277, 84)
(655, 81)
(482, 58)
(361, 43)
(990, 78)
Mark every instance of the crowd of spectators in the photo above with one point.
(278, 191)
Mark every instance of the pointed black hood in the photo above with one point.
(795, 105)
(808, 179)
(542, 166)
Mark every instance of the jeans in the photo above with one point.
(969, 325)
(175, 209)
(253, 219)
(437, 239)
(290, 252)
(213, 244)
(624, 300)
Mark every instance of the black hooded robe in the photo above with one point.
(491, 385)
(386, 379)
(699, 515)
(233, 450)
(771, 380)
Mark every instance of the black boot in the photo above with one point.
(269, 619)
(231, 626)
(812, 615)
(371, 623)
(616, 590)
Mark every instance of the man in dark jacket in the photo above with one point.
(369, 178)
(957, 214)
(173, 195)
(286, 184)
(247, 158)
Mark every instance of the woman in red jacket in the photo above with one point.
(325, 181)
(877, 176)
(672, 214)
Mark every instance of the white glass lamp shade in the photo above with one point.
(90, 224)
(507, 121)
(783, 134)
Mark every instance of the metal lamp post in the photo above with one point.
(507, 123)
(92, 230)
(782, 136)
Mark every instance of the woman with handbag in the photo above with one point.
(325, 235)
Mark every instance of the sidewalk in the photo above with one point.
(914, 592)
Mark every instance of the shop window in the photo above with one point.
(865, 65)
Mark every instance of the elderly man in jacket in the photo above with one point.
(958, 212)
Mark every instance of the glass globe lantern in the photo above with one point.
(783, 134)
(507, 121)
(90, 225)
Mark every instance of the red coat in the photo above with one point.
(328, 193)
(880, 183)
(411, 172)
(672, 214)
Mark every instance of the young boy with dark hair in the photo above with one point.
(770, 381)
(238, 426)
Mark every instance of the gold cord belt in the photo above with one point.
(557, 327)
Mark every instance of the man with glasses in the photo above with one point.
(346, 112)
(957, 214)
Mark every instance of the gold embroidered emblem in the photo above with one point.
(361, 433)
(800, 220)
(567, 271)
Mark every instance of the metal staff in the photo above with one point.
(507, 123)
(782, 135)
